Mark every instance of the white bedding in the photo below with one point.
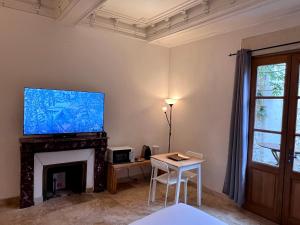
(180, 214)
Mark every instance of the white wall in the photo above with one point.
(38, 52)
(274, 38)
(202, 76)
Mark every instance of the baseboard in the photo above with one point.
(13, 201)
(217, 194)
(214, 193)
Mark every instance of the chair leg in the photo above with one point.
(154, 184)
(166, 197)
(185, 191)
(150, 192)
(150, 188)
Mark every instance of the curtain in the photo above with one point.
(235, 180)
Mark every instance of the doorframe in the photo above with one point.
(273, 214)
(284, 166)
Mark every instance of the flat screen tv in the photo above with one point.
(62, 112)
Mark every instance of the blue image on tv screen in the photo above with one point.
(59, 112)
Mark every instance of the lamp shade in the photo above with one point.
(164, 109)
(170, 101)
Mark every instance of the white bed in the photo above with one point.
(180, 214)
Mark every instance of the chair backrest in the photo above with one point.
(194, 154)
(160, 165)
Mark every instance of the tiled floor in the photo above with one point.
(128, 205)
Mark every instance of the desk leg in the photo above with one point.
(177, 193)
(154, 186)
(111, 180)
(199, 186)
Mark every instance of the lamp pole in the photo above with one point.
(170, 102)
(170, 125)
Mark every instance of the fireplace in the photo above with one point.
(64, 179)
(39, 153)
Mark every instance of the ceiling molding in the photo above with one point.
(167, 23)
(184, 16)
(115, 25)
(273, 15)
(103, 13)
(215, 14)
(145, 27)
(48, 8)
(180, 9)
(79, 10)
(203, 19)
(66, 8)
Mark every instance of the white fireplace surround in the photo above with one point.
(51, 158)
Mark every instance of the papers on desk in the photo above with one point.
(178, 157)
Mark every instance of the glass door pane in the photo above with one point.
(298, 118)
(296, 156)
(299, 83)
(268, 114)
(296, 164)
(270, 80)
(269, 102)
(266, 148)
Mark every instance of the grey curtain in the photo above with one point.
(235, 180)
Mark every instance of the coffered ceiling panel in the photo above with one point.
(143, 12)
(173, 22)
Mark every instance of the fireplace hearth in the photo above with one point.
(64, 179)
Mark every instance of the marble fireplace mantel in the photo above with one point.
(31, 146)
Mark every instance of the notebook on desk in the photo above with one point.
(178, 157)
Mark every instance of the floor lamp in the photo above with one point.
(170, 102)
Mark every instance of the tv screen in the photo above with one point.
(62, 112)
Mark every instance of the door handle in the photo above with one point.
(292, 156)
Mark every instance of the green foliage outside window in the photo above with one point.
(270, 82)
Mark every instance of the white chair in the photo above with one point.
(168, 178)
(191, 174)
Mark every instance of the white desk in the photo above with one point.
(180, 167)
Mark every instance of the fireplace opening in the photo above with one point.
(64, 179)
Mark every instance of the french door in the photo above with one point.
(291, 206)
(273, 170)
